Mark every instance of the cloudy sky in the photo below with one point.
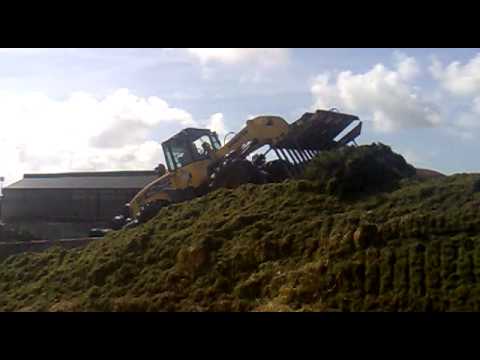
(109, 109)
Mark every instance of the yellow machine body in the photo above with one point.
(261, 131)
(195, 156)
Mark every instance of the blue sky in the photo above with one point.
(107, 109)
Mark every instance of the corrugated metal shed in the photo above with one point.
(86, 180)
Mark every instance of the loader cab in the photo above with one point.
(188, 146)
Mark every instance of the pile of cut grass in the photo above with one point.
(290, 246)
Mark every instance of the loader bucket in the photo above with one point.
(313, 133)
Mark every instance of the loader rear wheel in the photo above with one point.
(237, 173)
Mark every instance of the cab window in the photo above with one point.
(181, 155)
(202, 144)
(168, 158)
(183, 151)
(177, 155)
(215, 142)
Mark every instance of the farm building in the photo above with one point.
(69, 204)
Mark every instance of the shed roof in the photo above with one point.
(86, 180)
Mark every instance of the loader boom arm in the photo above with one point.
(260, 131)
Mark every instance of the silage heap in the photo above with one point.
(304, 245)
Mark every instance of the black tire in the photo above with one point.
(118, 222)
(149, 210)
(237, 173)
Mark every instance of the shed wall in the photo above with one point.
(69, 205)
(62, 213)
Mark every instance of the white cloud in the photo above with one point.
(386, 96)
(40, 134)
(407, 67)
(463, 81)
(244, 65)
(216, 123)
(265, 57)
(456, 78)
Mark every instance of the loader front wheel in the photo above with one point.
(149, 210)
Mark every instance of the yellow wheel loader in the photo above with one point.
(197, 162)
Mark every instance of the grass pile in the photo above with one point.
(290, 246)
(351, 172)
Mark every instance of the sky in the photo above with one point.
(109, 109)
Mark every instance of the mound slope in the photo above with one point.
(290, 246)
